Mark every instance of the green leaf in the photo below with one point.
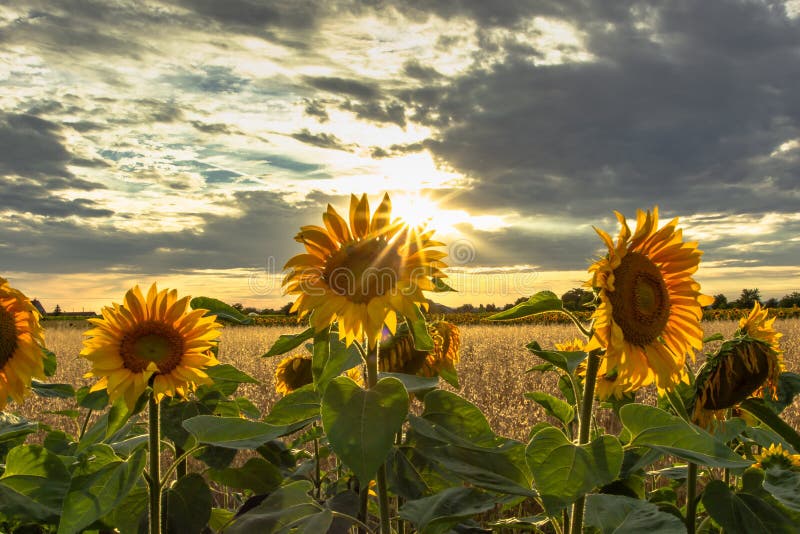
(742, 513)
(713, 337)
(564, 471)
(13, 427)
(173, 413)
(118, 415)
(419, 329)
(565, 360)
(542, 302)
(34, 483)
(788, 388)
(232, 432)
(669, 434)
(759, 409)
(220, 517)
(50, 361)
(256, 474)
(331, 358)
(53, 391)
(187, 505)
(784, 485)
(361, 424)
(616, 514)
(289, 342)
(95, 400)
(439, 286)
(555, 407)
(298, 408)
(286, 507)
(98, 487)
(130, 516)
(438, 513)
(460, 417)
(227, 378)
(413, 383)
(220, 309)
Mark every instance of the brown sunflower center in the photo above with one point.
(8, 336)
(154, 342)
(363, 270)
(640, 301)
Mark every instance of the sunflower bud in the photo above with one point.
(398, 354)
(775, 455)
(293, 373)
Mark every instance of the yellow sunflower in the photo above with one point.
(649, 315)
(607, 385)
(398, 354)
(293, 373)
(775, 455)
(158, 337)
(21, 342)
(364, 273)
(747, 365)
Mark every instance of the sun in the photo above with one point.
(416, 210)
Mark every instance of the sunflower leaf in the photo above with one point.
(438, 513)
(439, 286)
(288, 342)
(188, 505)
(220, 309)
(759, 409)
(565, 360)
(56, 391)
(541, 302)
(233, 432)
(742, 513)
(624, 515)
(553, 406)
(50, 362)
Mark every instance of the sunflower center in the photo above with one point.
(640, 301)
(363, 270)
(153, 342)
(8, 336)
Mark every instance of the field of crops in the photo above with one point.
(491, 371)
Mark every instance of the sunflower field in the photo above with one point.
(371, 432)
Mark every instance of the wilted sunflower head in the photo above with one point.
(21, 342)
(398, 354)
(293, 373)
(648, 318)
(156, 337)
(776, 456)
(741, 367)
(364, 273)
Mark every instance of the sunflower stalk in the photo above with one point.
(691, 498)
(154, 451)
(592, 365)
(383, 494)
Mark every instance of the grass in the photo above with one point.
(491, 371)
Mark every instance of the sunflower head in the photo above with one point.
(398, 354)
(156, 339)
(741, 367)
(21, 342)
(776, 456)
(362, 273)
(293, 373)
(648, 318)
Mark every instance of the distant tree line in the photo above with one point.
(748, 297)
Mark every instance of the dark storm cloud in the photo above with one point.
(37, 197)
(321, 140)
(250, 238)
(31, 147)
(343, 86)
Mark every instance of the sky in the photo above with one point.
(186, 141)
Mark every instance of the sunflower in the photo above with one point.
(364, 273)
(749, 364)
(21, 342)
(156, 337)
(293, 373)
(648, 318)
(607, 385)
(398, 354)
(775, 455)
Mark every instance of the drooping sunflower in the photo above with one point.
(158, 337)
(747, 365)
(293, 373)
(364, 273)
(776, 455)
(21, 342)
(648, 318)
(398, 354)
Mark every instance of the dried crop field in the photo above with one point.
(491, 371)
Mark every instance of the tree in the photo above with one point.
(748, 298)
(57, 310)
(576, 299)
(238, 306)
(792, 299)
(285, 308)
(771, 303)
(720, 302)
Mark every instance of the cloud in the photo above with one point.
(342, 86)
(321, 140)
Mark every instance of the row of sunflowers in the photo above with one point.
(344, 449)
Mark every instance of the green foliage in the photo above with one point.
(542, 302)
(615, 514)
(223, 311)
(438, 513)
(742, 513)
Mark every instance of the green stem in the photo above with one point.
(180, 459)
(317, 469)
(383, 494)
(585, 331)
(691, 498)
(585, 423)
(154, 450)
(85, 423)
(363, 497)
(566, 521)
